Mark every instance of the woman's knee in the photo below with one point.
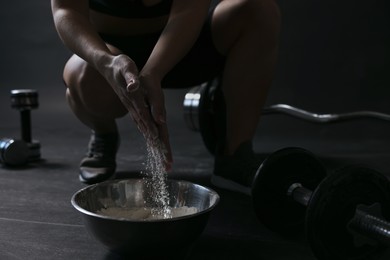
(75, 75)
(255, 12)
(89, 89)
(236, 18)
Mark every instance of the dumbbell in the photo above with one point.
(344, 215)
(13, 152)
(25, 100)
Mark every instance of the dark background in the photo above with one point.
(333, 54)
(334, 57)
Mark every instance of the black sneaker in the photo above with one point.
(236, 172)
(100, 163)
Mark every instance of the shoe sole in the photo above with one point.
(227, 184)
(81, 179)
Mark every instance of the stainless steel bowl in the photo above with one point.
(126, 236)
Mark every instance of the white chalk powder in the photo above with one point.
(156, 205)
(156, 181)
(145, 213)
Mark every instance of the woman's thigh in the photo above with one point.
(89, 89)
(202, 63)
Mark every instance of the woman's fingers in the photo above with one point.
(132, 85)
(147, 120)
(141, 111)
(130, 73)
(164, 138)
(145, 103)
(154, 117)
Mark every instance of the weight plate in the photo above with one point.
(24, 99)
(34, 151)
(191, 107)
(211, 115)
(333, 205)
(13, 152)
(273, 207)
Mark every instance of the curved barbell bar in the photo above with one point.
(322, 118)
(193, 98)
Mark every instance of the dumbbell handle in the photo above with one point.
(362, 223)
(25, 120)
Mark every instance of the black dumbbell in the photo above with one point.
(339, 212)
(13, 152)
(25, 100)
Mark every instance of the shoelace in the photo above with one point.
(102, 147)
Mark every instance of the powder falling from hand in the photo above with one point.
(156, 181)
(157, 202)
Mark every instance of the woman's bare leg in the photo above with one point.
(246, 31)
(96, 105)
(91, 98)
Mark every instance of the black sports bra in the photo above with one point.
(131, 8)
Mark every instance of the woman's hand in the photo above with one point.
(155, 98)
(143, 98)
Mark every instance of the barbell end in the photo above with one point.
(369, 227)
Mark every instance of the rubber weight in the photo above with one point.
(13, 152)
(334, 203)
(272, 206)
(204, 111)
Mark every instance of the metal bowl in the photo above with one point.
(132, 236)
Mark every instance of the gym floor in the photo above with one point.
(344, 73)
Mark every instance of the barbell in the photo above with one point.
(204, 111)
(345, 214)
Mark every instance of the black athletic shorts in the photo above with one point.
(203, 62)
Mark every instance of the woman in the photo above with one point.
(125, 51)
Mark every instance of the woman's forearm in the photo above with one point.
(78, 34)
(179, 35)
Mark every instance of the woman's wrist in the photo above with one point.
(154, 75)
(102, 60)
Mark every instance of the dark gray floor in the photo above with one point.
(37, 220)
